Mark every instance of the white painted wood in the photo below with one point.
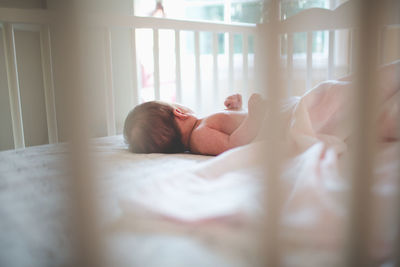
(309, 61)
(381, 44)
(331, 55)
(245, 54)
(178, 78)
(48, 83)
(340, 18)
(13, 86)
(110, 110)
(365, 107)
(164, 23)
(352, 50)
(227, 11)
(197, 69)
(215, 67)
(135, 84)
(230, 64)
(290, 64)
(274, 150)
(156, 58)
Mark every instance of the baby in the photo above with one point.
(159, 127)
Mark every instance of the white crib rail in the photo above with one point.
(156, 24)
(329, 20)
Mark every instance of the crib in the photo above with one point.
(268, 60)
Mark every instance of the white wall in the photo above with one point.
(23, 3)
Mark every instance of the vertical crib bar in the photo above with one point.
(48, 83)
(331, 56)
(274, 149)
(13, 85)
(290, 64)
(156, 58)
(215, 67)
(365, 100)
(397, 240)
(80, 178)
(110, 111)
(352, 50)
(197, 68)
(178, 66)
(230, 63)
(309, 61)
(245, 54)
(381, 45)
(257, 59)
(135, 84)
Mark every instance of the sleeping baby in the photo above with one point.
(160, 127)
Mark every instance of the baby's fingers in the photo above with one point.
(233, 101)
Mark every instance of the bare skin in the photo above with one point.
(219, 132)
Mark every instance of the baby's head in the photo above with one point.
(151, 128)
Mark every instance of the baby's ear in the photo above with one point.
(178, 112)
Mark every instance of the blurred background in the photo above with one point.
(27, 42)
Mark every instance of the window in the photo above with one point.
(248, 11)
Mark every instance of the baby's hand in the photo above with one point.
(257, 106)
(233, 102)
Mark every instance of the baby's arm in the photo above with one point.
(209, 141)
(251, 125)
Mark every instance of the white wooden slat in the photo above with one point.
(258, 59)
(245, 54)
(48, 83)
(331, 55)
(197, 69)
(178, 73)
(13, 86)
(290, 64)
(381, 45)
(352, 51)
(110, 111)
(135, 84)
(215, 67)
(360, 223)
(156, 58)
(309, 61)
(274, 150)
(230, 63)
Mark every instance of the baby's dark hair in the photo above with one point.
(151, 128)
